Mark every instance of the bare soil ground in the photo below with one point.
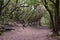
(28, 33)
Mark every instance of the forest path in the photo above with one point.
(27, 33)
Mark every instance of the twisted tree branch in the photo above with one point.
(6, 4)
(53, 2)
(15, 7)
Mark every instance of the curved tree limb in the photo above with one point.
(53, 2)
(13, 10)
(6, 4)
(55, 30)
(51, 17)
(15, 7)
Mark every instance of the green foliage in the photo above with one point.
(46, 19)
(47, 16)
(35, 3)
(10, 12)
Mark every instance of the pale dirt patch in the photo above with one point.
(27, 33)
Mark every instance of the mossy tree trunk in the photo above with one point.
(54, 24)
(56, 16)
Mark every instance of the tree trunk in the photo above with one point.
(56, 16)
(1, 4)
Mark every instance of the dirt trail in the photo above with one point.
(27, 33)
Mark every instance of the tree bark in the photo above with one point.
(1, 4)
(56, 16)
